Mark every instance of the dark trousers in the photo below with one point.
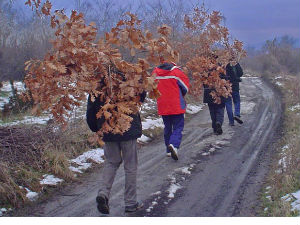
(216, 113)
(173, 129)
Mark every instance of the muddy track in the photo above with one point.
(214, 176)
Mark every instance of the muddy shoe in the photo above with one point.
(238, 119)
(219, 130)
(174, 152)
(134, 208)
(102, 202)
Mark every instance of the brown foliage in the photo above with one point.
(78, 65)
(206, 50)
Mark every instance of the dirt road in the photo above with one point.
(214, 176)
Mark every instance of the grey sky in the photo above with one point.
(251, 21)
(255, 21)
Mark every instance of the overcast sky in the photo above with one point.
(251, 21)
(254, 21)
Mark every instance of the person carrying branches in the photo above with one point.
(173, 85)
(234, 72)
(118, 148)
(216, 108)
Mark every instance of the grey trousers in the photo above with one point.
(115, 153)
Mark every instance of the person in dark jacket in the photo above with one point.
(216, 110)
(234, 74)
(117, 148)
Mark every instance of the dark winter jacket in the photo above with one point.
(135, 130)
(207, 98)
(234, 73)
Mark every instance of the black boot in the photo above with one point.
(238, 119)
(219, 128)
(102, 206)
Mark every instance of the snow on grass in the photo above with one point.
(278, 77)
(295, 107)
(247, 107)
(6, 89)
(294, 200)
(50, 180)
(143, 139)
(283, 161)
(18, 85)
(150, 123)
(31, 195)
(95, 155)
(29, 120)
(278, 84)
(3, 101)
(149, 104)
(193, 109)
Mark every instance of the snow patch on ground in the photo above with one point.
(295, 107)
(174, 187)
(278, 84)
(247, 107)
(294, 200)
(215, 146)
(154, 202)
(143, 139)
(278, 77)
(95, 155)
(50, 180)
(193, 109)
(150, 123)
(31, 195)
(183, 170)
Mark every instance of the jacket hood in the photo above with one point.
(165, 68)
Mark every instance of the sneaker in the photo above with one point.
(174, 152)
(134, 208)
(219, 128)
(238, 119)
(168, 154)
(102, 206)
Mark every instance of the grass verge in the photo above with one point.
(29, 152)
(284, 175)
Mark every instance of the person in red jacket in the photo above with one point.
(173, 85)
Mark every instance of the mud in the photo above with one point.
(214, 176)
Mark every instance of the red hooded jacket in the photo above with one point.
(173, 84)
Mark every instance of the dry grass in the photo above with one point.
(10, 193)
(54, 148)
(284, 177)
